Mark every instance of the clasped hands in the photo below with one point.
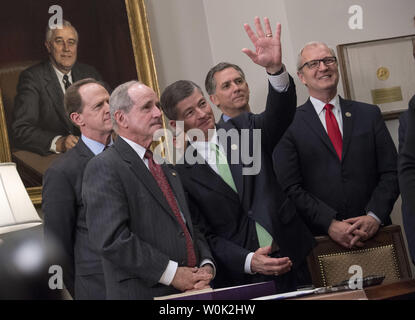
(190, 279)
(354, 231)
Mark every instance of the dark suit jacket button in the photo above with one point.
(182, 234)
(182, 263)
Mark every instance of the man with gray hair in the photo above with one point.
(137, 212)
(40, 124)
(337, 160)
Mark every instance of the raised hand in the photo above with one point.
(267, 46)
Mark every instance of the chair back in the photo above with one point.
(383, 255)
(9, 77)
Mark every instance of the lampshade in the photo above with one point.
(16, 209)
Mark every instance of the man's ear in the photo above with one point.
(301, 77)
(47, 45)
(77, 119)
(214, 99)
(121, 119)
(172, 123)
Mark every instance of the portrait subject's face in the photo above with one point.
(232, 92)
(63, 48)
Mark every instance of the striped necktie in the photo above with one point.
(66, 81)
(164, 185)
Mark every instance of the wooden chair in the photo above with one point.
(9, 77)
(383, 255)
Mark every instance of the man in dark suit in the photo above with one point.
(406, 177)
(337, 161)
(137, 212)
(40, 124)
(86, 103)
(243, 211)
(228, 90)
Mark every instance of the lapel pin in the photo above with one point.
(173, 174)
(348, 114)
(234, 147)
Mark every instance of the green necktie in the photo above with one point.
(264, 238)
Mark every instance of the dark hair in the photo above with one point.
(175, 93)
(73, 100)
(210, 83)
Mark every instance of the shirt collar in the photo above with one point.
(319, 105)
(95, 146)
(60, 74)
(139, 149)
(225, 117)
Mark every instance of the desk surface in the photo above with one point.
(402, 289)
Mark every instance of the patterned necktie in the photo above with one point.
(264, 238)
(333, 130)
(164, 185)
(66, 82)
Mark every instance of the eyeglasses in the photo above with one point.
(313, 64)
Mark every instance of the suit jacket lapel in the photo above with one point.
(77, 73)
(313, 121)
(83, 150)
(348, 121)
(203, 174)
(55, 92)
(138, 167)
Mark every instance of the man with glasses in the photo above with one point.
(337, 161)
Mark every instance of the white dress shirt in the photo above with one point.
(321, 112)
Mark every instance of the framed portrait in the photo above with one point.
(380, 72)
(114, 37)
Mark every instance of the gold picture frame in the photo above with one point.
(145, 67)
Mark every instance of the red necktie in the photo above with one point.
(333, 130)
(164, 185)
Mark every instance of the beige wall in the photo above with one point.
(190, 36)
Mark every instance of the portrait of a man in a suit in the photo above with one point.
(40, 124)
